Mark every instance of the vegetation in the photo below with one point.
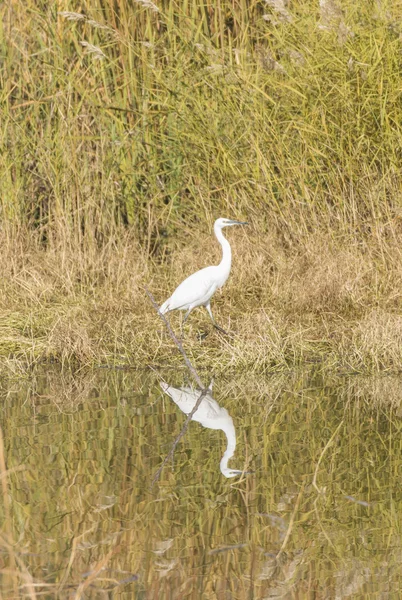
(126, 128)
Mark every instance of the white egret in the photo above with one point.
(198, 288)
(210, 415)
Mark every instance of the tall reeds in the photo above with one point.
(128, 127)
(150, 115)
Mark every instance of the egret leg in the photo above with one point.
(218, 327)
(184, 320)
(186, 316)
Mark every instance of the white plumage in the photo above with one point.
(198, 288)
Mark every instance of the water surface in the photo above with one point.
(318, 517)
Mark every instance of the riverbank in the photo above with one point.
(333, 303)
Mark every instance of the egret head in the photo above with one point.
(220, 223)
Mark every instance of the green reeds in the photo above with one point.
(150, 115)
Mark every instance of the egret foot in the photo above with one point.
(219, 328)
(201, 336)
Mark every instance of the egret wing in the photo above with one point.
(194, 291)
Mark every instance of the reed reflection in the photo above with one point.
(211, 415)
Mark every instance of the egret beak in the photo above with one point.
(238, 222)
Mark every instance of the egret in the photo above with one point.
(211, 415)
(198, 288)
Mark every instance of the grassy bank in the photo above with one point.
(337, 306)
(126, 130)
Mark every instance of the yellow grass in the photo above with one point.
(332, 305)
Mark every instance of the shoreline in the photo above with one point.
(335, 307)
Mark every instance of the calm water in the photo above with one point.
(319, 516)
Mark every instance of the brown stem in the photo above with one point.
(203, 393)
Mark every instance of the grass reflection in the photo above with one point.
(80, 519)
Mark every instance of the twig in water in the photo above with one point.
(181, 434)
(327, 445)
(203, 393)
(176, 341)
(291, 522)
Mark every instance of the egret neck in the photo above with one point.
(226, 262)
(229, 431)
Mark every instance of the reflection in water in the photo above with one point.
(79, 451)
(211, 415)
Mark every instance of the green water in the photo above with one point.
(319, 516)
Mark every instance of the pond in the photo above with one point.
(315, 511)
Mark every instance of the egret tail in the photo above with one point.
(165, 307)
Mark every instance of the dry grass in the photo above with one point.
(331, 303)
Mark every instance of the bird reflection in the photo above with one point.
(210, 415)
